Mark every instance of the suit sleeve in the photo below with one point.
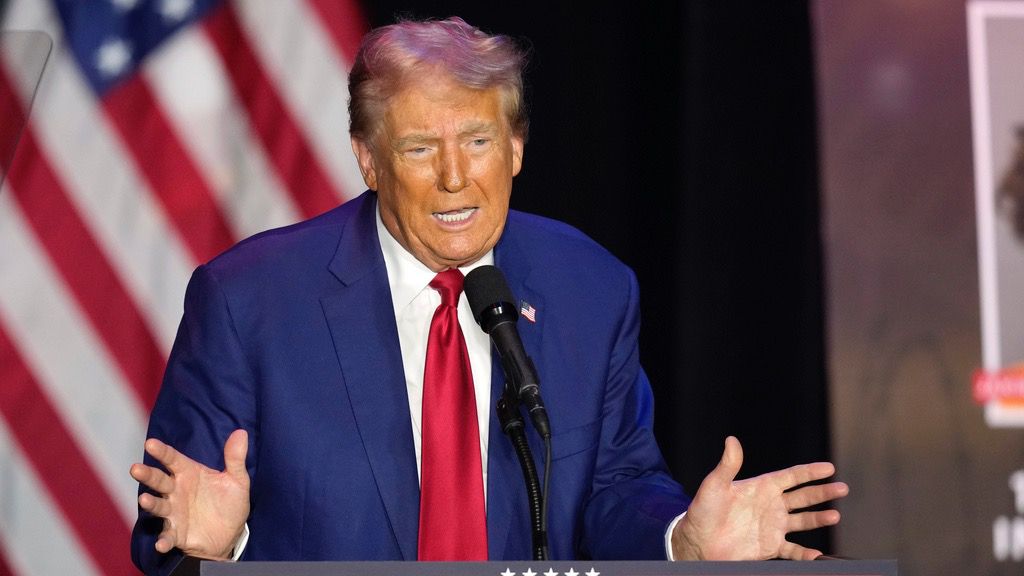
(208, 391)
(633, 497)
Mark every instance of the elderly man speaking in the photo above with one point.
(330, 397)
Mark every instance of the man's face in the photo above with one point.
(442, 164)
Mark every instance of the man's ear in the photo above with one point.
(364, 156)
(517, 155)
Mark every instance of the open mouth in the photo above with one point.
(455, 216)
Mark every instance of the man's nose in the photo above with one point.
(453, 170)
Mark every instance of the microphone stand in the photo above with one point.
(513, 425)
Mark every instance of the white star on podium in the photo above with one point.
(508, 572)
(572, 572)
(529, 572)
(551, 572)
(593, 572)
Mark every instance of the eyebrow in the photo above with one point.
(478, 126)
(411, 139)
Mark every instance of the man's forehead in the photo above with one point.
(458, 110)
(440, 129)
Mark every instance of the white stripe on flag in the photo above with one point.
(190, 83)
(66, 358)
(311, 77)
(35, 538)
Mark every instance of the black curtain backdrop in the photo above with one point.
(682, 138)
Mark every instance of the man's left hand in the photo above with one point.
(749, 519)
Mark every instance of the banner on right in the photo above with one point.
(921, 132)
(996, 50)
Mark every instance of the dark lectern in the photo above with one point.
(194, 567)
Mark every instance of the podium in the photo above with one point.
(195, 567)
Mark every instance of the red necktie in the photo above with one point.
(453, 524)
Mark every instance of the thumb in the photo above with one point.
(732, 460)
(235, 450)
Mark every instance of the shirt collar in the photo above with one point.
(407, 276)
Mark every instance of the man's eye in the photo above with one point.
(417, 151)
(480, 142)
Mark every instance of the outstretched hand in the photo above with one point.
(204, 510)
(749, 519)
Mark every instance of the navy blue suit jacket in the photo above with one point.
(291, 335)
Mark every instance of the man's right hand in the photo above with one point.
(204, 510)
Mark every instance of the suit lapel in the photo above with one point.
(508, 518)
(362, 322)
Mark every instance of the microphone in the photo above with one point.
(494, 310)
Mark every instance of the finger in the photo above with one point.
(235, 450)
(814, 495)
(166, 540)
(802, 474)
(730, 464)
(791, 551)
(152, 478)
(804, 521)
(155, 505)
(166, 455)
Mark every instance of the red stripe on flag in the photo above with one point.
(277, 130)
(10, 125)
(85, 269)
(5, 566)
(345, 23)
(188, 201)
(60, 465)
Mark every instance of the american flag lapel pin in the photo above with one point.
(528, 311)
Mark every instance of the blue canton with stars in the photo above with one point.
(109, 38)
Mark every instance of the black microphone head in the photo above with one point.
(489, 297)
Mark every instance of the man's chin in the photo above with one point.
(461, 259)
(456, 250)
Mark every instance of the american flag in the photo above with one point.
(528, 311)
(163, 131)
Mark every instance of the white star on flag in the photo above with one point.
(572, 572)
(551, 572)
(593, 572)
(113, 56)
(176, 10)
(508, 572)
(529, 572)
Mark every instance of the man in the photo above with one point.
(303, 368)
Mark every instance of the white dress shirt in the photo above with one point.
(415, 302)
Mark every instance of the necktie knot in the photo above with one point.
(449, 284)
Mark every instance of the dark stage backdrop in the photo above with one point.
(682, 138)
